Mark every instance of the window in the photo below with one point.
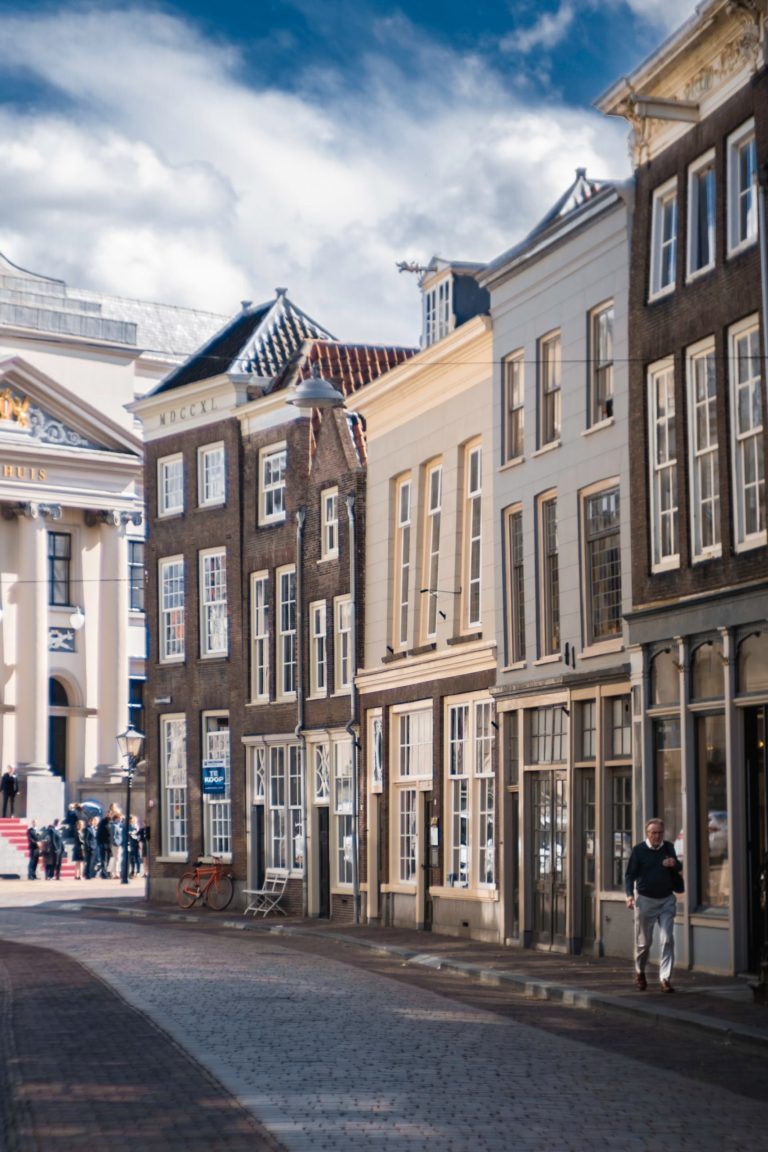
(587, 730)
(318, 683)
(663, 466)
(415, 743)
(402, 562)
(213, 602)
(432, 521)
(322, 773)
(747, 435)
(701, 215)
(664, 239)
(343, 645)
(171, 581)
(136, 575)
(286, 632)
(170, 485)
(603, 565)
(329, 517)
(470, 846)
(548, 735)
(549, 618)
(473, 535)
(411, 746)
(136, 702)
(702, 431)
(210, 475)
(406, 839)
(272, 495)
(707, 664)
(259, 636)
(343, 811)
(513, 380)
(376, 750)
(549, 389)
(665, 678)
(438, 318)
(515, 587)
(619, 727)
(667, 761)
(712, 814)
(173, 766)
(601, 364)
(621, 823)
(217, 807)
(742, 188)
(285, 827)
(59, 567)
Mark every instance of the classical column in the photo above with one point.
(113, 636)
(32, 644)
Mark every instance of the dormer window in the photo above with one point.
(438, 311)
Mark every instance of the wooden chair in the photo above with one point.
(262, 901)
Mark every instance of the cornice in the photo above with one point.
(477, 656)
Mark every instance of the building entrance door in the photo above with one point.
(323, 863)
(587, 857)
(755, 730)
(549, 811)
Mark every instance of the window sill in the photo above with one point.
(672, 565)
(467, 638)
(213, 657)
(446, 892)
(328, 558)
(742, 246)
(317, 696)
(171, 859)
(175, 515)
(518, 666)
(707, 557)
(661, 294)
(598, 426)
(259, 702)
(211, 504)
(555, 658)
(513, 463)
(550, 447)
(430, 646)
(758, 541)
(602, 648)
(393, 657)
(400, 888)
(699, 273)
(172, 662)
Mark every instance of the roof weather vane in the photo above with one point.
(410, 266)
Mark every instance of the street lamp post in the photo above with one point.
(129, 743)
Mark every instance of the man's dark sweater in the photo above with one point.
(646, 868)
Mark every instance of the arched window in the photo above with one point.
(665, 679)
(753, 663)
(707, 681)
(57, 693)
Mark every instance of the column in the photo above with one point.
(113, 638)
(32, 644)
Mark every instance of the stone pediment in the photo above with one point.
(36, 410)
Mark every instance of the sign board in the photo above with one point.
(214, 778)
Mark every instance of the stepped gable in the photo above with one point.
(259, 342)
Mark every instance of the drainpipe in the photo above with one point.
(353, 727)
(301, 515)
(760, 990)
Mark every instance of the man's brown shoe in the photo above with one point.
(666, 986)
(640, 981)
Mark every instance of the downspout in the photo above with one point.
(353, 727)
(760, 990)
(301, 515)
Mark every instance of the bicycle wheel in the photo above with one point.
(187, 890)
(220, 892)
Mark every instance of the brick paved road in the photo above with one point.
(330, 1056)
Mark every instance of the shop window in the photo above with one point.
(753, 663)
(668, 773)
(712, 814)
(707, 671)
(665, 678)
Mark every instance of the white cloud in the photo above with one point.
(546, 33)
(176, 175)
(666, 15)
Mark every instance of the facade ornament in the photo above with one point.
(14, 409)
(49, 431)
(31, 510)
(114, 516)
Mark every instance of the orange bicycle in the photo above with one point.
(209, 882)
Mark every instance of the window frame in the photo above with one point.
(600, 390)
(472, 537)
(206, 475)
(514, 598)
(329, 524)
(171, 616)
(175, 795)
(701, 457)
(166, 466)
(549, 362)
(286, 634)
(318, 643)
(343, 809)
(438, 311)
(282, 797)
(343, 657)
(213, 605)
(703, 167)
(664, 195)
(136, 575)
(60, 564)
(470, 793)
(662, 561)
(549, 577)
(269, 488)
(513, 407)
(217, 810)
(592, 537)
(401, 616)
(260, 638)
(745, 540)
(432, 526)
(739, 238)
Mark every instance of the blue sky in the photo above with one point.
(203, 154)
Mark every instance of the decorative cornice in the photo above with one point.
(31, 510)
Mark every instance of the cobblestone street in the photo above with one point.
(327, 1055)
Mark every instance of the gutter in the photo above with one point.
(353, 726)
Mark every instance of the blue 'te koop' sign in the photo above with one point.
(214, 778)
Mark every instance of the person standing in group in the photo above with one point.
(56, 850)
(92, 848)
(104, 839)
(650, 882)
(78, 848)
(117, 835)
(134, 847)
(33, 840)
(9, 784)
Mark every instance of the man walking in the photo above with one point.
(10, 789)
(649, 883)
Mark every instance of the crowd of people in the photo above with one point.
(97, 844)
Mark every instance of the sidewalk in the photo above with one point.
(718, 1005)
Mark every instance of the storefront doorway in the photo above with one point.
(549, 814)
(755, 730)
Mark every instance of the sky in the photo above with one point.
(202, 154)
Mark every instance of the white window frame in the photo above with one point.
(662, 468)
(515, 583)
(321, 773)
(401, 616)
(214, 623)
(703, 447)
(470, 794)
(284, 808)
(342, 793)
(513, 398)
(433, 505)
(550, 369)
(287, 612)
(664, 240)
(170, 485)
(217, 810)
(343, 657)
(747, 443)
(593, 537)
(601, 363)
(742, 195)
(173, 773)
(329, 524)
(318, 647)
(438, 311)
(211, 475)
(259, 636)
(549, 575)
(376, 749)
(473, 536)
(171, 616)
(702, 198)
(273, 470)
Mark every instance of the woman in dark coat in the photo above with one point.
(91, 847)
(78, 848)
